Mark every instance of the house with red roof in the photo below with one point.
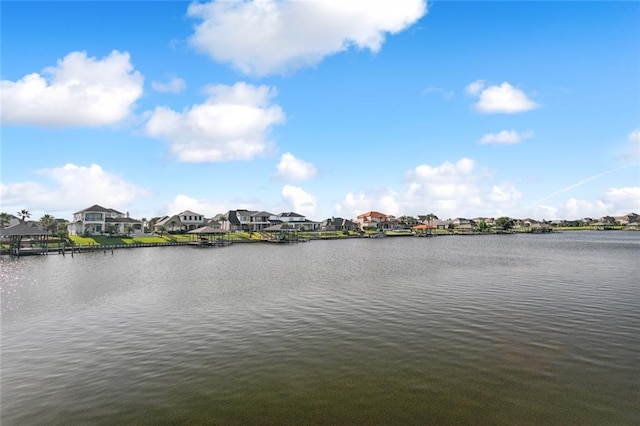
(377, 220)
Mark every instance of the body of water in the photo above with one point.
(495, 329)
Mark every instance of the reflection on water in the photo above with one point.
(487, 329)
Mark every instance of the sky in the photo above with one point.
(325, 108)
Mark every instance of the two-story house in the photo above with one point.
(338, 224)
(373, 219)
(97, 220)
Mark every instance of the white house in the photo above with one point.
(97, 220)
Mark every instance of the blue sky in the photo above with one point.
(462, 109)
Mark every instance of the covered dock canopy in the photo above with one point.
(22, 232)
(284, 232)
(423, 229)
(210, 235)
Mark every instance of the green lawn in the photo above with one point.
(106, 240)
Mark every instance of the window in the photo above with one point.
(93, 217)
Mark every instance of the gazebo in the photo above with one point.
(209, 236)
(423, 230)
(283, 233)
(23, 232)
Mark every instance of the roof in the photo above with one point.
(261, 214)
(290, 214)
(281, 227)
(375, 214)
(233, 218)
(168, 219)
(423, 226)
(189, 213)
(23, 228)
(98, 208)
(207, 230)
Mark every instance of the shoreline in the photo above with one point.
(105, 244)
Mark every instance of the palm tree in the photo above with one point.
(62, 229)
(24, 214)
(47, 222)
(5, 219)
(129, 229)
(111, 229)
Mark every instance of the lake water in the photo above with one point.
(496, 329)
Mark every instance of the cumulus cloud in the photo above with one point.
(174, 85)
(207, 207)
(291, 168)
(504, 98)
(71, 186)
(505, 137)
(447, 189)
(78, 91)
(298, 200)
(232, 124)
(623, 200)
(268, 36)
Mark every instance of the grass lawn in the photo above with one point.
(106, 240)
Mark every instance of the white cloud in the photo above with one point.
(623, 200)
(504, 99)
(267, 36)
(635, 136)
(232, 124)
(207, 207)
(73, 187)
(174, 85)
(78, 91)
(291, 168)
(475, 87)
(299, 200)
(505, 137)
(614, 202)
(450, 189)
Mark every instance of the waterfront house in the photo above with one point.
(97, 220)
(338, 224)
(299, 220)
(243, 220)
(168, 223)
(377, 220)
(191, 220)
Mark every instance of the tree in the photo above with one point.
(482, 226)
(24, 214)
(129, 229)
(504, 222)
(162, 230)
(111, 229)
(61, 228)
(5, 219)
(407, 221)
(48, 222)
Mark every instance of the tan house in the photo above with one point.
(376, 220)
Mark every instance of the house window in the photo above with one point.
(93, 217)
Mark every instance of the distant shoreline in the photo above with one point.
(81, 244)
